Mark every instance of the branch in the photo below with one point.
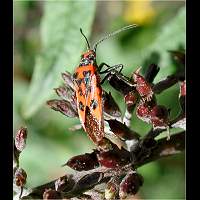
(165, 148)
(78, 183)
(165, 84)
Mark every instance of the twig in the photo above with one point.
(165, 84)
(162, 149)
(151, 73)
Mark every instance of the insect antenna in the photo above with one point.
(112, 34)
(88, 44)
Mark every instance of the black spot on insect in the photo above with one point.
(93, 104)
(79, 81)
(75, 75)
(80, 92)
(98, 85)
(81, 106)
(86, 73)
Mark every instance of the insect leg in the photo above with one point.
(105, 78)
(111, 71)
(114, 67)
(101, 66)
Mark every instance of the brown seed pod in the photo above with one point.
(130, 184)
(114, 158)
(122, 131)
(84, 162)
(20, 177)
(159, 116)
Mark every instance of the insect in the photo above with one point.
(88, 89)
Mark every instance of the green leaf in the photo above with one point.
(158, 39)
(62, 45)
(154, 39)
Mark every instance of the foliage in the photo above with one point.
(49, 130)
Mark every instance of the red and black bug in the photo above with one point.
(88, 89)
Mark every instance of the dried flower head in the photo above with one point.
(20, 139)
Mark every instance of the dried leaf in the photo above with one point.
(62, 106)
(67, 77)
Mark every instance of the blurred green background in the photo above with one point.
(47, 42)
